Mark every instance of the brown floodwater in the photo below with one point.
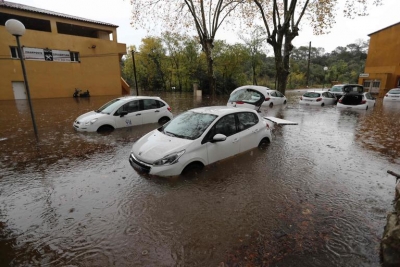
(318, 195)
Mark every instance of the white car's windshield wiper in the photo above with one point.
(176, 135)
(169, 133)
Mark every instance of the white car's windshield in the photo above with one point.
(311, 94)
(109, 106)
(336, 89)
(394, 91)
(246, 95)
(189, 125)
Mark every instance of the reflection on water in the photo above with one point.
(317, 195)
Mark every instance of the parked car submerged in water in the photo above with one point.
(199, 137)
(317, 98)
(392, 96)
(125, 112)
(255, 97)
(354, 100)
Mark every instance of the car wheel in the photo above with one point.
(284, 102)
(323, 104)
(105, 129)
(263, 143)
(163, 120)
(271, 105)
(366, 108)
(192, 168)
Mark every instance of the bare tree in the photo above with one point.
(281, 19)
(203, 16)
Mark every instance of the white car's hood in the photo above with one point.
(156, 145)
(90, 115)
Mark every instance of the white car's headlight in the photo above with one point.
(169, 159)
(90, 122)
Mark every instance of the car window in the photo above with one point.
(311, 94)
(279, 94)
(226, 126)
(160, 104)
(246, 95)
(329, 95)
(353, 88)
(273, 94)
(394, 92)
(132, 106)
(149, 104)
(109, 106)
(247, 120)
(189, 125)
(336, 88)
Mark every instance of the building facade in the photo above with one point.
(61, 53)
(382, 67)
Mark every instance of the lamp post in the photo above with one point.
(325, 70)
(16, 28)
(134, 71)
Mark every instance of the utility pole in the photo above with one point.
(134, 71)
(308, 63)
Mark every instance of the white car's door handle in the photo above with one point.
(138, 114)
(256, 130)
(235, 140)
(157, 111)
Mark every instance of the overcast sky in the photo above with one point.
(118, 12)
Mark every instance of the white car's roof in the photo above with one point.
(129, 98)
(259, 88)
(312, 91)
(220, 110)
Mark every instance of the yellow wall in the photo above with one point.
(383, 61)
(98, 70)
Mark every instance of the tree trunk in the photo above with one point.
(210, 66)
(282, 60)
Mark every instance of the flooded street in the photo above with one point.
(316, 196)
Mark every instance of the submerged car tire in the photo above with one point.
(264, 143)
(271, 105)
(323, 104)
(366, 108)
(163, 120)
(284, 102)
(105, 129)
(193, 168)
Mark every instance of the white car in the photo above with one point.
(124, 112)
(254, 97)
(317, 98)
(199, 137)
(392, 96)
(354, 100)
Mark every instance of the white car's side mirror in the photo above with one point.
(219, 138)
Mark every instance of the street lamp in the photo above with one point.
(134, 70)
(325, 70)
(16, 28)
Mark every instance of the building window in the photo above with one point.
(74, 56)
(376, 84)
(367, 84)
(14, 52)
